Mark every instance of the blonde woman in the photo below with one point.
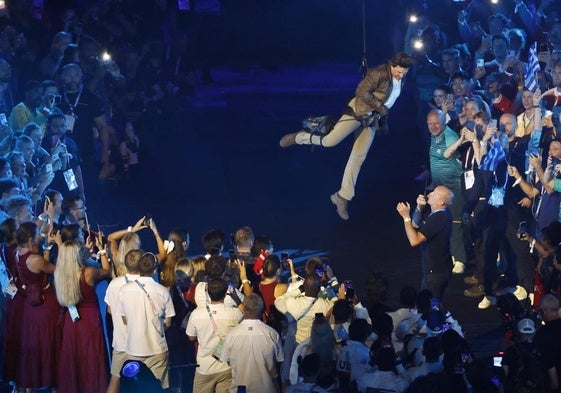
(121, 242)
(82, 364)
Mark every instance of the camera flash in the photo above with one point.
(413, 18)
(417, 44)
(105, 56)
(495, 1)
(2, 4)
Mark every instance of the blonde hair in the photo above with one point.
(186, 266)
(198, 266)
(68, 271)
(130, 241)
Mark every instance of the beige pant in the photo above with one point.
(345, 126)
(158, 364)
(212, 383)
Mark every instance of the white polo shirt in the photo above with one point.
(112, 300)
(253, 350)
(200, 326)
(145, 328)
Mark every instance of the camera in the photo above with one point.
(55, 99)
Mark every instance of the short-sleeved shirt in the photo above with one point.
(444, 171)
(88, 107)
(200, 326)
(145, 317)
(354, 359)
(112, 300)
(436, 250)
(253, 350)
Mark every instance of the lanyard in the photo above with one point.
(73, 106)
(214, 325)
(154, 309)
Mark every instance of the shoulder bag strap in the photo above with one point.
(154, 308)
(307, 310)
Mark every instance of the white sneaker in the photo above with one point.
(487, 302)
(520, 293)
(459, 267)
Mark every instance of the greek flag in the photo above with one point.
(495, 155)
(533, 67)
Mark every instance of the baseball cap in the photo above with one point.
(526, 326)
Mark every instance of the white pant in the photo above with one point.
(345, 126)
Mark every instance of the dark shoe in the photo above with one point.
(471, 280)
(288, 140)
(474, 291)
(341, 204)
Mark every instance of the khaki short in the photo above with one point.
(158, 364)
(118, 359)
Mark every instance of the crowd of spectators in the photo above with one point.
(70, 116)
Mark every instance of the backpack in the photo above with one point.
(529, 374)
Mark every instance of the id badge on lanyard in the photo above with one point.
(11, 290)
(469, 179)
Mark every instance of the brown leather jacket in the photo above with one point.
(373, 91)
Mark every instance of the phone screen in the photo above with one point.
(497, 361)
(493, 123)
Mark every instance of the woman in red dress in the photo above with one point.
(83, 366)
(40, 333)
(13, 308)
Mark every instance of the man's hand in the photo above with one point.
(241, 267)
(525, 202)
(403, 209)
(535, 161)
(421, 201)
